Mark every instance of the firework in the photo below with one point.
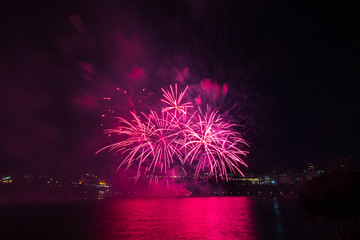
(173, 100)
(150, 142)
(159, 143)
(213, 145)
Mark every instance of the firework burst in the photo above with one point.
(173, 100)
(213, 145)
(159, 143)
(149, 142)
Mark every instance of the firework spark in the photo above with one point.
(213, 144)
(158, 143)
(173, 99)
(150, 142)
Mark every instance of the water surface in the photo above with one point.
(168, 218)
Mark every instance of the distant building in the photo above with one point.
(248, 177)
(92, 180)
(267, 180)
(88, 179)
(310, 171)
(310, 167)
(6, 179)
(285, 178)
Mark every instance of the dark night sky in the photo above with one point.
(291, 65)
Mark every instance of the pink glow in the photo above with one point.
(225, 89)
(131, 103)
(198, 100)
(212, 90)
(183, 218)
(209, 87)
(181, 75)
(77, 23)
(86, 100)
(87, 71)
(136, 74)
(87, 67)
(128, 49)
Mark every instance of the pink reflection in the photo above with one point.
(182, 218)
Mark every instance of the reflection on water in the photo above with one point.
(278, 221)
(186, 218)
(171, 218)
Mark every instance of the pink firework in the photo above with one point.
(173, 99)
(150, 143)
(160, 143)
(213, 145)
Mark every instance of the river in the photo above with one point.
(249, 218)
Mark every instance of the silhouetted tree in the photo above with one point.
(334, 196)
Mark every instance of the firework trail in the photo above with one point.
(213, 144)
(174, 101)
(159, 143)
(149, 142)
